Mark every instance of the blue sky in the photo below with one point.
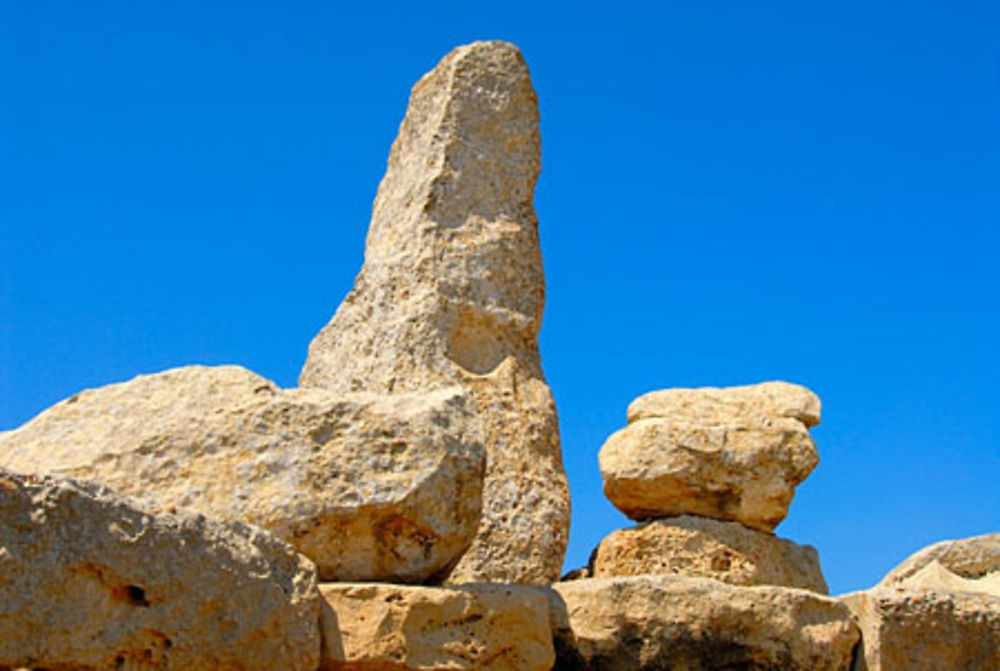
(731, 193)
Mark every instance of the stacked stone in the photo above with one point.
(709, 473)
(701, 582)
(204, 518)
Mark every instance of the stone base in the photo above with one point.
(386, 627)
(926, 630)
(675, 622)
(701, 547)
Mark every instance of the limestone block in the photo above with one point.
(90, 580)
(699, 546)
(679, 622)
(480, 626)
(733, 454)
(368, 486)
(918, 628)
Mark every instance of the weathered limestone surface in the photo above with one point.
(936, 577)
(452, 291)
(939, 609)
(974, 557)
(698, 546)
(88, 580)
(370, 487)
(732, 454)
(386, 627)
(676, 622)
(719, 405)
(919, 629)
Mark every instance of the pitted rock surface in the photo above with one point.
(698, 546)
(90, 580)
(928, 624)
(389, 627)
(368, 486)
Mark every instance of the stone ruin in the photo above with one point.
(406, 507)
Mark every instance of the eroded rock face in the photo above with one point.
(452, 291)
(974, 558)
(386, 627)
(921, 629)
(368, 486)
(721, 405)
(733, 454)
(697, 546)
(935, 576)
(89, 580)
(939, 609)
(676, 622)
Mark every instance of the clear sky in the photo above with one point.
(732, 192)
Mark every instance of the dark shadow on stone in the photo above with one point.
(331, 640)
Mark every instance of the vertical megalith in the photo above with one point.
(452, 290)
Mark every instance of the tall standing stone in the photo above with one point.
(452, 290)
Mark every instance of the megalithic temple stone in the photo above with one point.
(452, 291)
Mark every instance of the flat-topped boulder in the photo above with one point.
(369, 486)
(723, 405)
(699, 546)
(452, 291)
(476, 626)
(679, 622)
(90, 580)
(733, 454)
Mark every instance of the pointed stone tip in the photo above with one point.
(496, 55)
(490, 67)
(469, 147)
(488, 46)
